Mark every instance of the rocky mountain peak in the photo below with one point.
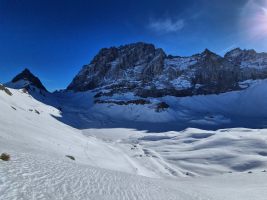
(239, 52)
(139, 49)
(26, 75)
(209, 54)
(146, 71)
(132, 62)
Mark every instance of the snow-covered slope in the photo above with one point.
(108, 161)
(245, 108)
(115, 139)
(27, 125)
(157, 154)
(192, 152)
(249, 102)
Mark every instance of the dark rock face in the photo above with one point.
(130, 64)
(147, 72)
(253, 65)
(28, 76)
(215, 74)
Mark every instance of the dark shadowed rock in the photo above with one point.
(130, 63)
(26, 75)
(253, 65)
(215, 74)
(7, 91)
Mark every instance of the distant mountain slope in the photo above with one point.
(148, 72)
(26, 79)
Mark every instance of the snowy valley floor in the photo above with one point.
(123, 163)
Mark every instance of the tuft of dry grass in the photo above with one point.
(5, 157)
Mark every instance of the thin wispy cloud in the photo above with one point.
(166, 25)
(254, 19)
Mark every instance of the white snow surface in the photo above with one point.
(25, 130)
(29, 176)
(237, 108)
(125, 163)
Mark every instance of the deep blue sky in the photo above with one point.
(54, 38)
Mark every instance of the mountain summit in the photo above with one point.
(26, 78)
(129, 64)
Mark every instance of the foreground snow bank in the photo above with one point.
(31, 177)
